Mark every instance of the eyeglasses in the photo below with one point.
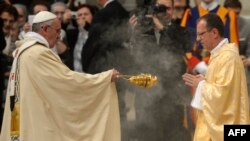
(201, 33)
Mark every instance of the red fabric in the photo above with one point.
(206, 59)
(192, 62)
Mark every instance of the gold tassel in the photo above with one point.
(15, 119)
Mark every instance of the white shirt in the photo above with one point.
(77, 54)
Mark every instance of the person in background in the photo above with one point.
(61, 48)
(39, 5)
(221, 95)
(152, 51)
(22, 14)
(78, 36)
(9, 15)
(23, 24)
(244, 34)
(75, 106)
(58, 8)
(109, 19)
(69, 20)
(104, 47)
(179, 8)
(243, 25)
(36, 6)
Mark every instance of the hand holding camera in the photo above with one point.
(157, 22)
(152, 15)
(133, 21)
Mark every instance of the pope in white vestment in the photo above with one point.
(55, 103)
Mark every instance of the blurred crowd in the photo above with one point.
(158, 37)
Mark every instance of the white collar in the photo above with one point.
(222, 42)
(39, 38)
(210, 6)
(109, 1)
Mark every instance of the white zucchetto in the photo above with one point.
(43, 16)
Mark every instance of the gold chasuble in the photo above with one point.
(57, 104)
(224, 95)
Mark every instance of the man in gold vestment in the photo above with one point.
(221, 96)
(53, 103)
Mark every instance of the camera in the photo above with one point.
(142, 19)
(144, 7)
(159, 9)
(74, 14)
(149, 9)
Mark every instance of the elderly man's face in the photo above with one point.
(39, 8)
(21, 16)
(53, 32)
(59, 10)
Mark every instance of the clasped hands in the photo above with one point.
(192, 80)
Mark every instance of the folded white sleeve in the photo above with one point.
(196, 101)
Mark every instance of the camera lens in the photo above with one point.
(160, 8)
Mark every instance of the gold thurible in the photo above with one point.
(144, 80)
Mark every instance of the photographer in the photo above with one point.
(157, 20)
(159, 50)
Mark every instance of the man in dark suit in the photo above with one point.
(104, 36)
(159, 49)
(103, 48)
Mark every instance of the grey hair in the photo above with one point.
(36, 27)
(57, 4)
(23, 7)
